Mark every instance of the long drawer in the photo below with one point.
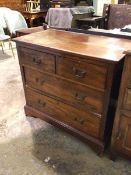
(83, 72)
(39, 60)
(74, 93)
(83, 121)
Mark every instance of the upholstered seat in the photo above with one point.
(12, 20)
(4, 37)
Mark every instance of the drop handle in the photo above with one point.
(80, 97)
(81, 121)
(36, 61)
(79, 73)
(43, 104)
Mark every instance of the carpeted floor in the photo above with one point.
(30, 146)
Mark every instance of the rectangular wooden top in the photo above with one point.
(98, 47)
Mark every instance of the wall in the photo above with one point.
(13, 4)
(98, 5)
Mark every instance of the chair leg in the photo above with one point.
(2, 46)
(10, 45)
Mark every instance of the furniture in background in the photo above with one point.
(119, 16)
(83, 3)
(18, 22)
(61, 3)
(116, 15)
(70, 3)
(121, 137)
(22, 32)
(105, 15)
(59, 17)
(11, 20)
(5, 38)
(67, 17)
(124, 1)
(31, 5)
(31, 15)
(85, 74)
(94, 21)
(112, 33)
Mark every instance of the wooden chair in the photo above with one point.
(32, 4)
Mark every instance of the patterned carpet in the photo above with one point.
(30, 146)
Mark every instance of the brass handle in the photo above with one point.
(80, 97)
(36, 61)
(81, 121)
(41, 103)
(79, 73)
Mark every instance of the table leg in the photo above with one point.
(31, 22)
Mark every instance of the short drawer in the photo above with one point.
(79, 95)
(40, 60)
(86, 122)
(83, 72)
(127, 99)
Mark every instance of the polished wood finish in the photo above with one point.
(71, 92)
(90, 47)
(81, 71)
(81, 120)
(121, 137)
(27, 31)
(41, 61)
(68, 81)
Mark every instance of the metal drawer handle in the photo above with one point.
(79, 73)
(36, 61)
(80, 97)
(81, 121)
(43, 104)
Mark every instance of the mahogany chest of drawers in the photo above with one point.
(121, 137)
(70, 80)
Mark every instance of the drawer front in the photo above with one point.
(123, 135)
(83, 72)
(127, 100)
(39, 60)
(74, 93)
(83, 121)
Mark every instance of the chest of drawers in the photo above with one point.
(69, 85)
(121, 137)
